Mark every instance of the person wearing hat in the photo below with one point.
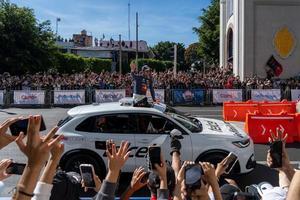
(142, 81)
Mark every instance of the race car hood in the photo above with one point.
(218, 127)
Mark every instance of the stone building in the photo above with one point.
(252, 31)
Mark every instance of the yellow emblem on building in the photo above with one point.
(284, 42)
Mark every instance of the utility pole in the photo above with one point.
(129, 20)
(57, 20)
(175, 61)
(137, 40)
(120, 56)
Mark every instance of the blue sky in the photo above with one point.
(159, 20)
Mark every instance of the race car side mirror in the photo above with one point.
(176, 134)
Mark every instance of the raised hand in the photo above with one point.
(97, 181)
(116, 160)
(209, 172)
(136, 180)
(280, 136)
(221, 167)
(6, 138)
(3, 166)
(37, 148)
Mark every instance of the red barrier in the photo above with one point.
(277, 107)
(236, 111)
(258, 126)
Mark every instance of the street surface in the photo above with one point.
(52, 116)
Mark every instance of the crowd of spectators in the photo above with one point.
(41, 180)
(215, 78)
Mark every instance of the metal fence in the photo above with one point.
(172, 97)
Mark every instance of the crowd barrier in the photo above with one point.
(237, 111)
(258, 126)
(174, 97)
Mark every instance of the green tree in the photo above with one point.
(26, 45)
(191, 54)
(209, 33)
(163, 52)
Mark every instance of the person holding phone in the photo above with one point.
(4, 164)
(37, 150)
(5, 138)
(284, 161)
(207, 172)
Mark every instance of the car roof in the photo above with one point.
(109, 108)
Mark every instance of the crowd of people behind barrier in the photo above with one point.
(187, 181)
(215, 78)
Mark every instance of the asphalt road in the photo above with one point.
(52, 116)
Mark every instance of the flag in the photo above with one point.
(275, 66)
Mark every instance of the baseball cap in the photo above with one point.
(267, 191)
(228, 191)
(145, 68)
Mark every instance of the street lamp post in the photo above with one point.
(120, 56)
(57, 20)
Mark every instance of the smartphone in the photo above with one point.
(232, 159)
(154, 156)
(21, 126)
(276, 154)
(15, 168)
(192, 176)
(87, 173)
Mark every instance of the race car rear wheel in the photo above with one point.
(72, 162)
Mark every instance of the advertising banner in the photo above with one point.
(69, 97)
(1, 97)
(188, 97)
(220, 96)
(159, 94)
(30, 97)
(266, 95)
(103, 96)
(295, 95)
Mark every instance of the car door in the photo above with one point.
(117, 127)
(155, 129)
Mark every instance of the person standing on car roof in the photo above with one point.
(142, 81)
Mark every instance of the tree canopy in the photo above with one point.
(191, 54)
(26, 44)
(209, 33)
(163, 51)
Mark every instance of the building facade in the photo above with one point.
(83, 39)
(253, 32)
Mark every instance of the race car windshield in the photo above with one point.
(190, 124)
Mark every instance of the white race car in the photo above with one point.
(86, 129)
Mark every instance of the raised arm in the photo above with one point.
(116, 160)
(37, 150)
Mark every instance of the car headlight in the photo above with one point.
(242, 143)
